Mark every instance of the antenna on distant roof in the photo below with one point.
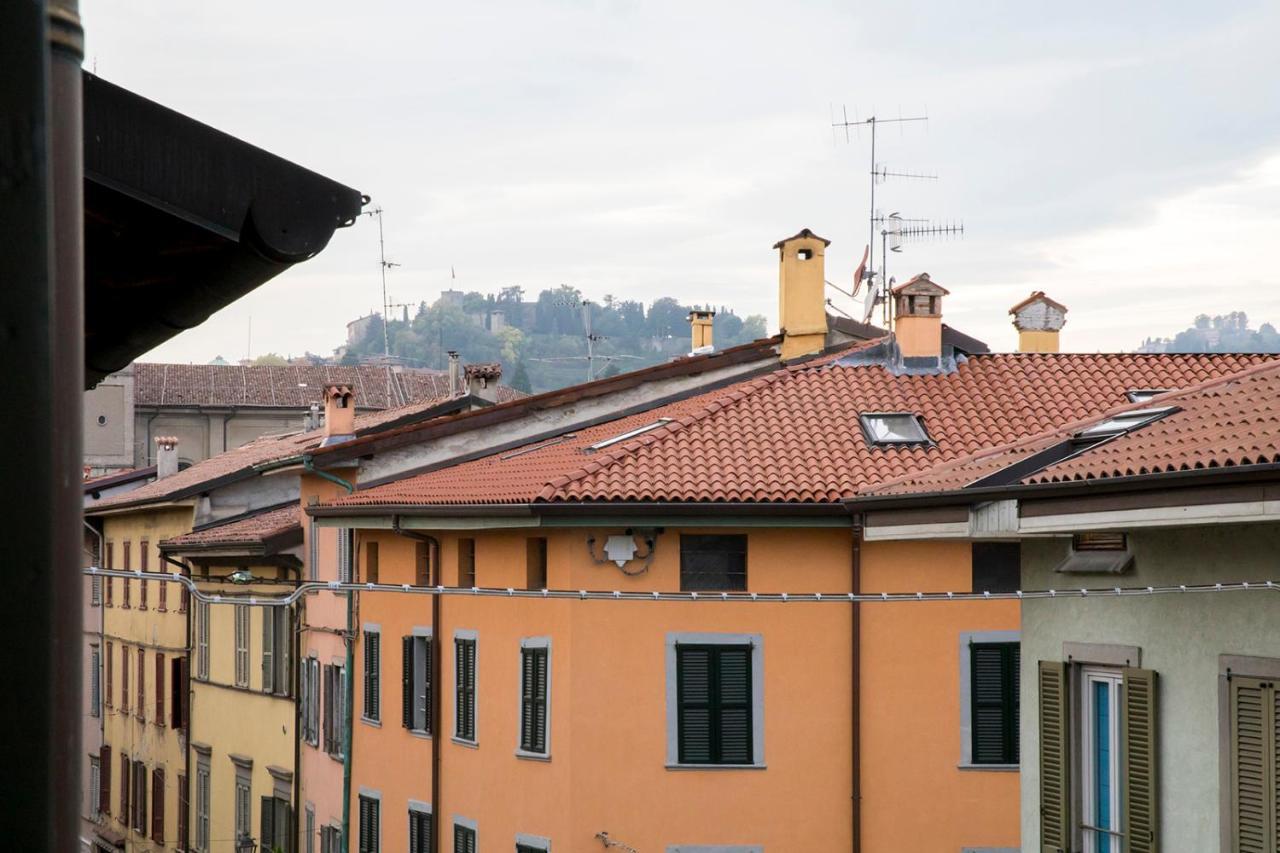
(894, 228)
(383, 266)
(591, 339)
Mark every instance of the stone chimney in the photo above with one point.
(454, 367)
(700, 322)
(339, 414)
(166, 456)
(482, 380)
(1038, 320)
(802, 305)
(917, 317)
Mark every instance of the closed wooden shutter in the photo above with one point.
(420, 832)
(328, 708)
(1139, 768)
(109, 662)
(182, 812)
(268, 650)
(160, 719)
(421, 564)
(994, 696)
(126, 780)
(371, 562)
(104, 776)
(533, 700)
(1255, 743)
(140, 796)
(268, 823)
(465, 671)
(1055, 758)
(406, 682)
(368, 825)
(157, 805)
(372, 669)
(428, 723)
(464, 839)
(714, 697)
(142, 682)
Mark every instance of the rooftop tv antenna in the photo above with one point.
(383, 266)
(895, 230)
(591, 338)
(878, 173)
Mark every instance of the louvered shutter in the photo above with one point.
(182, 812)
(465, 667)
(104, 776)
(464, 839)
(415, 833)
(268, 821)
(528, 688)
(428, 706)
(1139, 767)
(159, 689)
(994, 696)
(1055, 757)
(126, 779)
(365, 831)
(734, 683)
(157, 805)
(406, 682)
(372, 662)
(1254, 761)
(140, 797)
(693, 686)
(268, 651)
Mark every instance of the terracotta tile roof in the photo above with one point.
(794, 435)
(252, 530)
(278, 386)
(1220, 423)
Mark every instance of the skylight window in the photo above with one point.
(1142, 395)
(600, 445)
(1122, 423)
(884, 428)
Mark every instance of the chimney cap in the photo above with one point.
(167, 441)
(485, 370)
(700, 314)
(336, 390)
(1038, 296)
(921, 285)
(804, 234)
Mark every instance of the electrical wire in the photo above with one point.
(722, 597)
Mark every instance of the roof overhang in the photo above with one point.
(181, 220)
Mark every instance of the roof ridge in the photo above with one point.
(1072, 426)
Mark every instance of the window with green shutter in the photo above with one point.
(372, 676)
(420, 837)
(993, 697)
(714, 699)
(370, 837)
(533, 699)
(465, 688)
(415, 683)
(464, 839)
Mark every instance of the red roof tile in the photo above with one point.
(1222, 422)
(794, 435)
(253, 530)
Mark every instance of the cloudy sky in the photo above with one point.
(1124, 157)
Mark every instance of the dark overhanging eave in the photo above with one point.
(599, 509)
(182, 219)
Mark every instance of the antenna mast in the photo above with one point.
(383, 266)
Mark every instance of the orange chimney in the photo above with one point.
(802, 305)
(1038, 320)
(917, 320)
(339, 414)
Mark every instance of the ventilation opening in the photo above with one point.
(805, 254)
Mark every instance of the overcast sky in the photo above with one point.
(1124, 157)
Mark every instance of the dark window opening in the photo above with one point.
(536, 563)
(466, 563)
(713, 562)
(996, 566)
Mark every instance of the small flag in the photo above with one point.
(860, 271)
(452, 274)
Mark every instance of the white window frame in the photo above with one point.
(866, 418)
(1089, 676)
(756, 642)
(95, 786)
(309, 828)
(422, 638)
(531, 643)
(202, 803)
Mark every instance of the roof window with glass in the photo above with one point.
(887, 428)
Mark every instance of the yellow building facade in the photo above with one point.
(143, 759)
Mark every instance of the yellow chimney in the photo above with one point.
(700, 323)
(1038, 320)
(917, 317)
(802, 306)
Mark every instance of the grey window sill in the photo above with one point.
(420, 733)
(717, 766)
(533, 756)
(469, 744)
(377, 724)
(999, 768)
